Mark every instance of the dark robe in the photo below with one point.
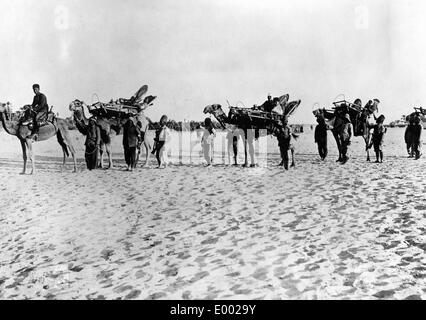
(40, 107)
(93, 141)
(268, 105)
(321, 139)
(131, 140)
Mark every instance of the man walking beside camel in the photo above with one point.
(345, 135)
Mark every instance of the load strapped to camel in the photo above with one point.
(359, 115)
(123, 108)
(255, 117)
(419, 113)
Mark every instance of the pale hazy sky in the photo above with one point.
(194, 53)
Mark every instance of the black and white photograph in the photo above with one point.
(219, 150)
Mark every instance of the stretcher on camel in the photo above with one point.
(255, 117)
(123, 108)
(359, 115)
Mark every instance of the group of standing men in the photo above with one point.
(413, 136)
(133, 133)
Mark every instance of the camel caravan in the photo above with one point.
(127, 117)
(110, 118)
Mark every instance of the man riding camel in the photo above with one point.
(270, 104)
(38, 111)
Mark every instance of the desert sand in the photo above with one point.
(319, 231)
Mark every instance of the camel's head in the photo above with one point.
(284, 100)
(317, 112)
(212, 108)
(2, 107)
(76, 105)
(148, 101)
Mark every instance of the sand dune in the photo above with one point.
(319, 231)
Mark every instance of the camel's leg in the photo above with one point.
(367, 147)
(148, 150)
(138, 152)
(251, 151)
(228, 151)
(232, 151)
(245, 150)
(66, 144)
(74, 159)
(339, 147)
(64, 159)
(29, 144)
(293, 164)
(101, 156)
(235, 147)
(109, 152)
(24, 155)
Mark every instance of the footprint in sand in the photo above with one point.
(242, 291)
(107, 253)
(171, 272)
(224, 252)
(279, 272)
(384, 294)
(234, 274)
(413, 297)
(140, 274)
(73, 268)
(133, 294)
(260, 274)
(199, 276)
(156, 296)
(187, 295)
(183, 255)
(122, 288)
(211, 240)
(104, 275)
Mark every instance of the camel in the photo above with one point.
(56, 127)
(360, 118)
(250, 121)
(109, 126)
